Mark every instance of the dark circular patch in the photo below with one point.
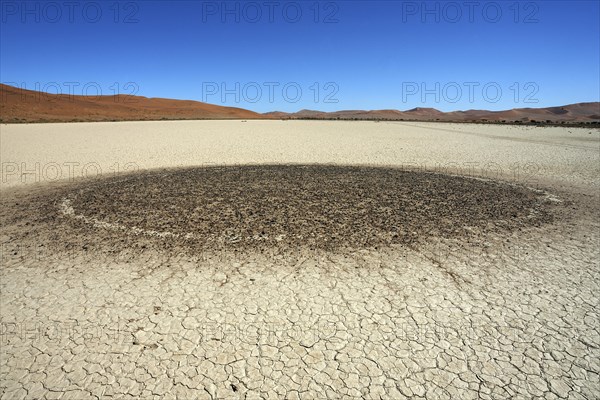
(318, 206)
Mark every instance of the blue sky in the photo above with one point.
(326, 55)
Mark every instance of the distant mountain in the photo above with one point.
(19, 105)
(424, 111)
(310, 114)
(276, 114)
(580, 112)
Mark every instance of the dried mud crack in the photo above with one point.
(314, 206)
(325, 281)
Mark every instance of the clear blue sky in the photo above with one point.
(362, 54)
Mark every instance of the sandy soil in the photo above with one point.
(45, 153)
(407, 277)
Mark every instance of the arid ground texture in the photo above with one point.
(299, 259)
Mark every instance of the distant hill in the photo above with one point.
(580, 112)
(19, 105)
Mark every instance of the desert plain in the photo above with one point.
(299, 259)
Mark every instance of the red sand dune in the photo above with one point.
(19, 105)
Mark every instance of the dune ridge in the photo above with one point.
(20, 105)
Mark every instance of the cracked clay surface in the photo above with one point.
(504, 308)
